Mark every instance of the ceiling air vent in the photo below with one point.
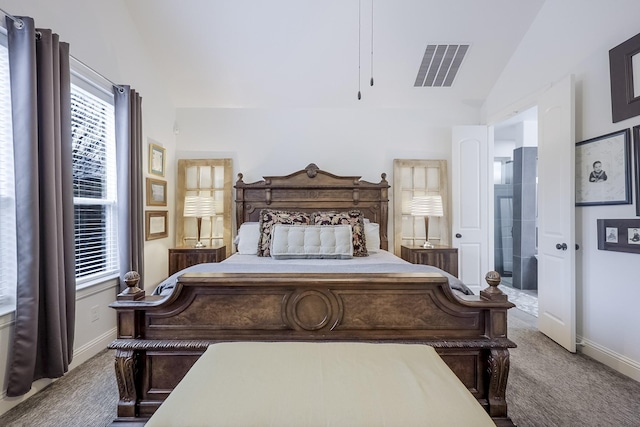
(440, 65)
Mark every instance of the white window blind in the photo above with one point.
(94, 182)
(8, 261)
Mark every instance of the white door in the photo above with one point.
(471, 214)
(556, 214)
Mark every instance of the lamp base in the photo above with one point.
(199, 245)
(428, 245)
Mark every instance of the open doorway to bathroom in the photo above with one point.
(515, 208)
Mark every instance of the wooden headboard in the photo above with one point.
(312, 189)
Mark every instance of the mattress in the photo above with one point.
(320, 384)
(377, 262)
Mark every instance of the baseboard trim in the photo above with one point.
(616, 361)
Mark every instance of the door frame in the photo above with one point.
(507, 113)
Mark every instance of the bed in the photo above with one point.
(161, 337)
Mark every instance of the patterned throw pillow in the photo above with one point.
(353, 218)
(268, 217)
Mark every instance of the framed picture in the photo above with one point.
(620, 235)
(624, 74)
(156, 192)
(156, 223)
(157, 160)
(636, 155)
(603, 170)
(611, 234)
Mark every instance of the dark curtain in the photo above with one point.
(128, 111)
(45, 309)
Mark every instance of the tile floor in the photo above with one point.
(525, 300)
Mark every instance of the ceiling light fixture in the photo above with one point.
(371, 42)
(360, 45)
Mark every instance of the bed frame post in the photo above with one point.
(239, 186)
(498, 358)
(126, 365)
(498, 375)
(127, 360)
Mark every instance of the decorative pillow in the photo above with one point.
(354, 218)
(247, 239)
(269, 217)
(311, 241)
(372, 236)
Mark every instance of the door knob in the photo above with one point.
(458, 235)
(562, 246)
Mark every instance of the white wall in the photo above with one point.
(101, 36)
(574, 37)
(341, 141)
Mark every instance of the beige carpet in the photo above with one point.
(547, 387)
(85, 397)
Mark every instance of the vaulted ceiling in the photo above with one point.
(318, 54)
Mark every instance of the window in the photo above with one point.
(94, 181)
(8, 261)
(205, 177)
(419, 178)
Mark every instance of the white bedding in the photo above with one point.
(377, 262)
(320, 385)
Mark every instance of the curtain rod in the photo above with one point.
(16, 21)
(120, 87)
(19, 24)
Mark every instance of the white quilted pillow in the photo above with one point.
(311, 241)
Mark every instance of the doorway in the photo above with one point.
(515, 208)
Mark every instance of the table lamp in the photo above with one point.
(426, 206)
(198, 207)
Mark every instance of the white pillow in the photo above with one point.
(247, 239)
(311, 241)
(372, 236)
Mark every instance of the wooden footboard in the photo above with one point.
(159, 339)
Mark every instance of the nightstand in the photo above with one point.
(184, 257)
(443, 257)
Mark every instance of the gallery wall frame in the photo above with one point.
(156, 192)
(156, 224)
(603, 170)
(157, 159)
(636, 156)
(624, 74)
(620, 235)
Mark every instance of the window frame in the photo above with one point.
(410, 230)
(102, 90)
(211, 236)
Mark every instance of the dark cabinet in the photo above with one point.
(184, 257)
(443, 257)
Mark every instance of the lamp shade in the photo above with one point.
(427, 206)
(199, 206)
